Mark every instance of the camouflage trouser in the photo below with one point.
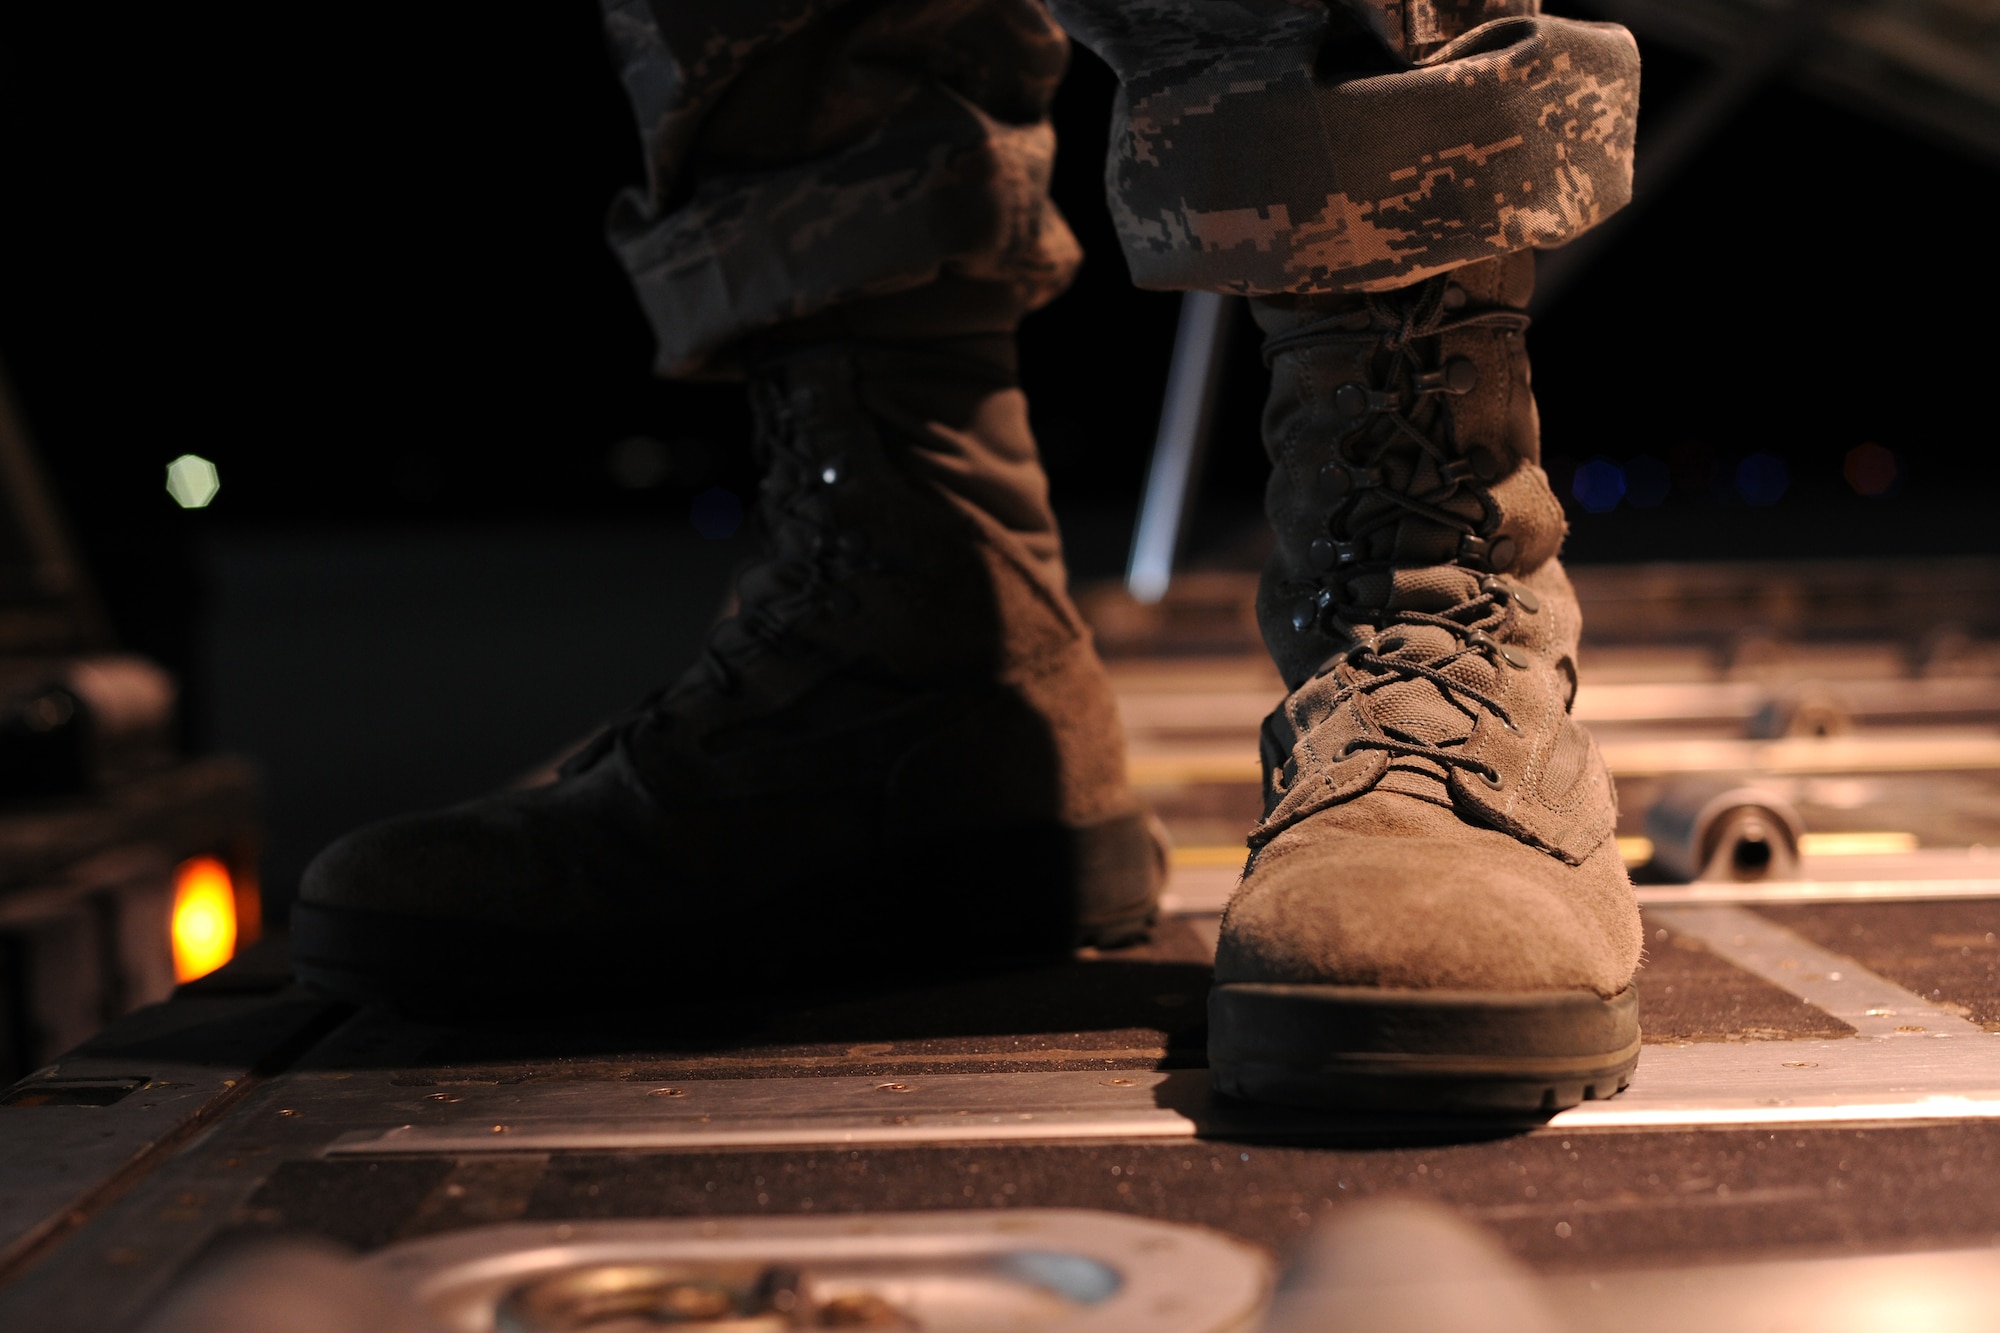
(803, 153)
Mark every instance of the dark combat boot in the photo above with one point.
(1434, 915)
(902, 752)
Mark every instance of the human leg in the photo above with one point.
(902, 747)
(1434, 914)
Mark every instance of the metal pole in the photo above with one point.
(1185, 417)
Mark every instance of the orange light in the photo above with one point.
(204, 926)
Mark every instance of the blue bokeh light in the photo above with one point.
(1761, 479)
(1599, 485)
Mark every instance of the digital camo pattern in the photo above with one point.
(803, 153)
(1265, 146)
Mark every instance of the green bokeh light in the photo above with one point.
(192, 481)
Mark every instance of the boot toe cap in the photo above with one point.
(1475, 910)
(450, 863)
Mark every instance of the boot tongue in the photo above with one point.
(1433, 588)
(1419, 710)
(1398, 536)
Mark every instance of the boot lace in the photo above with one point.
(1372, 664)
(1395, 460)
(810, 561)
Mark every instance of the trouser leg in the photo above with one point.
(1267, 146)
(1434, 916)
(904, 723)
(804, 155)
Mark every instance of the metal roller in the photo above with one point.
(1720, 829)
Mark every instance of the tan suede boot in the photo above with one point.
(901, 753)
(1434, 915)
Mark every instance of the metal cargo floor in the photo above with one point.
(1821, 1075)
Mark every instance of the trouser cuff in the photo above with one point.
(1246, 169)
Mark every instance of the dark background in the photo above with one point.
(353, 255)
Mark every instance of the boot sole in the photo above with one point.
(931, 907)
(1364, 1048)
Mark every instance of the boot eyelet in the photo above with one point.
(1351, 400)
(1392, 644)
(1513, 656)
(1491, 777)
(1457, 377)
(1335, 482)
(1494, 586)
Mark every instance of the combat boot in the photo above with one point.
(901, 752)
(1434, 915)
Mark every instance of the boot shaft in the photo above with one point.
(1402, 436)
(904, 518)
